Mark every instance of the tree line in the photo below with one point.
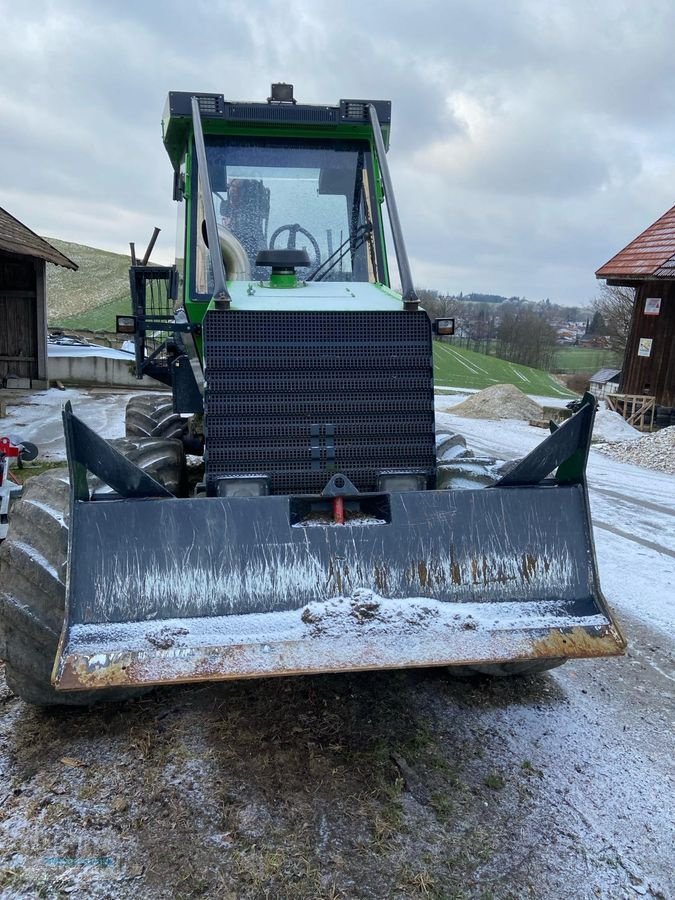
(523, 332)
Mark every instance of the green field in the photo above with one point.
(460, 368)
(584, 360)
(101, 318)
(90, 297)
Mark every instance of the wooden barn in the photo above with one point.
(648, 265)
(23, 303)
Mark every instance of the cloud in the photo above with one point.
(530, 141)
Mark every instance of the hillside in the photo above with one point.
(90, 297)
(458, 367)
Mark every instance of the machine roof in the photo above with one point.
(650, 255)
(15, 237)
(349, 117)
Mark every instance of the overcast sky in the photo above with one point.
(530, 140)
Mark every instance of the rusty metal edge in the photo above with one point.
(128, 668)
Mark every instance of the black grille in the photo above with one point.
(258, 112)
(302, 395)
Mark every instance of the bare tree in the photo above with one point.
(615, 304)
(438, 306)
(525, 337)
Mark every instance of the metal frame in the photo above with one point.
(410, 298)
(87, 452)
(220, 292)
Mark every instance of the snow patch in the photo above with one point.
(610, 426)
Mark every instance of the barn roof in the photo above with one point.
(650, 255)
(15, 237)
(602, 376)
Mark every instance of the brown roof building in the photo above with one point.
(648, 265)
(23, 303)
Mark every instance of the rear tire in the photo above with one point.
(152, 415)
(507, 669)
(33, 571)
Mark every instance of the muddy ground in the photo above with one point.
(373, 785)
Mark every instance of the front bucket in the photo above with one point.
(176, 590)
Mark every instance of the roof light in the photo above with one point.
(281, 93)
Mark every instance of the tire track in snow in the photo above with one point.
(474, 365)
(474, 368)
(650, 545)
(643, 504)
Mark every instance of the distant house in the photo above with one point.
(604, 382)
(593, 342)
(566, 335)
(23, 303)
(648, 265)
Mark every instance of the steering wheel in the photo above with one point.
(293, 232)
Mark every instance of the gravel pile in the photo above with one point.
(652, 451)
(501, 401)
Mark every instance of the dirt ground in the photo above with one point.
(373, 785)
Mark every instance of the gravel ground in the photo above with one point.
(653, 451)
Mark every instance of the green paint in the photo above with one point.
(282, 280)
(178, 135)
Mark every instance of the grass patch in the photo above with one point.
(494, 781)
(29, 470)
(461, 368)
(101, 280)
(102, 318)
(529, 769)
(442, 806)
(418, 882)
(584, 360)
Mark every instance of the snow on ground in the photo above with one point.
(610, 426)
(79, 351)
(633, 510)
(36, 416)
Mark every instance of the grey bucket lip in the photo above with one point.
(202, 589)
(346, 634)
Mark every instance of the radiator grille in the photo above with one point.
(258, 112)
(302, 395)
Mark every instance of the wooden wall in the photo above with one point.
(22, 317)
(652, 374)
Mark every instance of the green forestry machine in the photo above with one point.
(324, 532)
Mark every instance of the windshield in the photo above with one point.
(281, 193)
